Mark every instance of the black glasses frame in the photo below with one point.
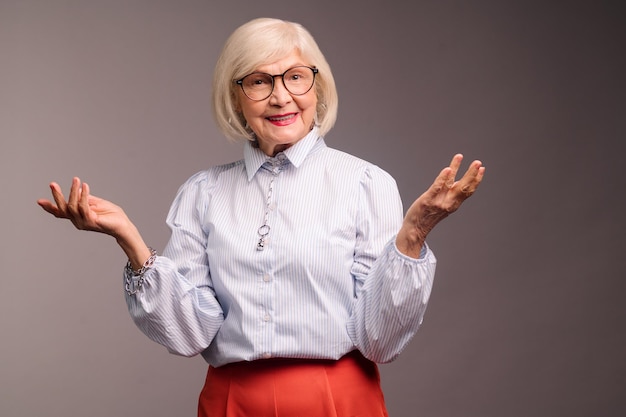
(273, 77)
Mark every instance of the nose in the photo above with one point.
(280, 95)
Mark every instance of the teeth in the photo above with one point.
(280, 119)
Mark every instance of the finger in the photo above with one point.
(440, 184)
(481, 174)
(472, 171)
(72, 201)
(83, 206)
(455, 164)
(472, 178)
(49, 206)
(59, 199)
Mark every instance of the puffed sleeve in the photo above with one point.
(391, 289)
(176, 305)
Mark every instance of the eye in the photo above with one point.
(257, 80)
(296, 75)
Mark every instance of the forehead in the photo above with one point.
(281, 65)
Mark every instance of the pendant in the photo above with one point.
(263, 231)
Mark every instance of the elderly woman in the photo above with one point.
(291, 271)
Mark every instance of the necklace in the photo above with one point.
(264, 229)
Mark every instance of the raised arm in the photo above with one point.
(393, 291)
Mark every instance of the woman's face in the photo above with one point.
(282, 119)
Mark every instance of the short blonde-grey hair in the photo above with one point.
(260, 42)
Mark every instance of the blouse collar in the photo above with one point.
(255, 158)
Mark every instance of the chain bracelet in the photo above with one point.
(129, 273)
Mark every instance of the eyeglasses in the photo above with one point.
(259, 85)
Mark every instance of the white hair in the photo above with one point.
(260, 42)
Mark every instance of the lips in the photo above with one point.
(282, 119)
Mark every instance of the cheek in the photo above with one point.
(247, 108)
(250, 110)
(308, 105)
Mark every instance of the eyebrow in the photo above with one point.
(298, 64)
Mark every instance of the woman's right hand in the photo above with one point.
(88, 212)
(85, 211)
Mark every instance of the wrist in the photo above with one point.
(133, 286)
(410, 241)
(133, 245)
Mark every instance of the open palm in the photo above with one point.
(85, 211)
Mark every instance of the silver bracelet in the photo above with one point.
(129, 273)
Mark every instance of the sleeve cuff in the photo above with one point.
(423, 252)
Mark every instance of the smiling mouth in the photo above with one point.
(281, 118)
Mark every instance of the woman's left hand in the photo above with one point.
(443, 198)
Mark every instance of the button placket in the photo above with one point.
(274, 166)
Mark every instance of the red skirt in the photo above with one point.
(348, 387)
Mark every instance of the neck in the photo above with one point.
(274, 150)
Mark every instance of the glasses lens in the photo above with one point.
(299, 80)
(257, 85)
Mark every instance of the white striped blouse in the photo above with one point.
(328, 278)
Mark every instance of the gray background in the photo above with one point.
(527, 315)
